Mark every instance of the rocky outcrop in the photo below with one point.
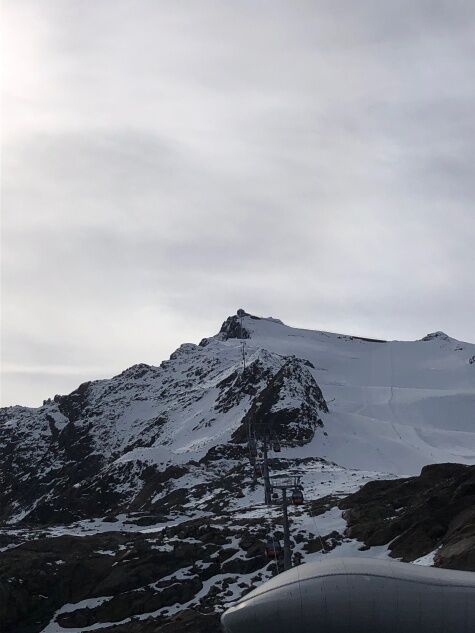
(123, 575)
(291, 404)
(241, 383)
(418, 515)
(131, 603)
(441, 336)
(233, 328)
(187, 621)
(73, 405)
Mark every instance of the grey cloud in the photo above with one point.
(165, 164)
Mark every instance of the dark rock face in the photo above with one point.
(241, 383)
(73, 404)
(419, 514)
(132, 603)
(187, 621)
(291, 403)
(192, 621)
(232, 328)
(324, 543)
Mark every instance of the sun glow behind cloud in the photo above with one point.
(24, 38)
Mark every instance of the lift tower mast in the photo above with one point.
(240, 314)
(265, 471)
(292, 483)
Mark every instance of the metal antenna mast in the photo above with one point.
(240, 314)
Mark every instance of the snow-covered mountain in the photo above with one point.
(386, 406)
(165, 446)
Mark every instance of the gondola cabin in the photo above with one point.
(297, 498)
(273, 548)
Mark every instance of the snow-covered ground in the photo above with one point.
(319, 480)
(393, 406)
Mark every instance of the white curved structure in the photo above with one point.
(358, 595)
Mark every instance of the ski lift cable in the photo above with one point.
(275, 555)
(272, 536)
(322, 542)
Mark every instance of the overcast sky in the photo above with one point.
(167, 162)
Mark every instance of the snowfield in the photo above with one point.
(394, 406)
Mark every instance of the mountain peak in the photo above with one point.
(442, 336)
(235, 325)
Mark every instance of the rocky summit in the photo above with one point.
(133, 504)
